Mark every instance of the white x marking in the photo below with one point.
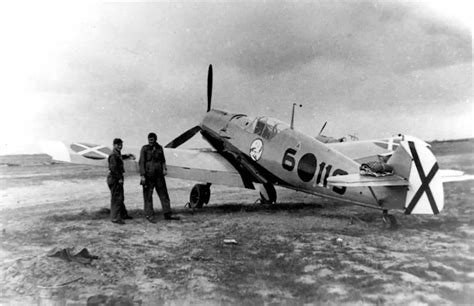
(93, 149)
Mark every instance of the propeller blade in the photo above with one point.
(324, 125)
(209, 88)
(183, 137)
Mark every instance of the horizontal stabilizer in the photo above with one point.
(357, 180)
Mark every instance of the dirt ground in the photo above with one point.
(288, 253)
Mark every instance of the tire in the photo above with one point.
(200, 195)
(391, 222)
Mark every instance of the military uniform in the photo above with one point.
(115, 182)
(152, 163)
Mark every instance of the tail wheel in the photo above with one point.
(200, 195)
(268, 194)
(390, 221)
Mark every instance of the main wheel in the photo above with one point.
(200, 195)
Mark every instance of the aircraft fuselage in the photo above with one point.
(281, 155)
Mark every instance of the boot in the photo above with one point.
(151, 219)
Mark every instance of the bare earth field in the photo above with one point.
(285, 254)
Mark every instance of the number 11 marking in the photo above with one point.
(320, 173)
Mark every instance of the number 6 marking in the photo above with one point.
(288, 162)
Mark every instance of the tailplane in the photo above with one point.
(408, 179)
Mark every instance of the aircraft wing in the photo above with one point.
(190, 164)
(357, 180)
(202, 166)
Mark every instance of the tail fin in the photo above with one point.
(414, 160)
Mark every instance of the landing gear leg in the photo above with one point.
(390, 220)
(268, 194)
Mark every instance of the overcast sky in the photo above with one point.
(95, 71)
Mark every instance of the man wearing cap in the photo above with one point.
(152, 176)
(118, 212)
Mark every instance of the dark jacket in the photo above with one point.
(116, 165)
(152, 160)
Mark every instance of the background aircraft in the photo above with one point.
(329, 139)
(262, 152)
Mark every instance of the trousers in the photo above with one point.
(158, 184)
(117, 206)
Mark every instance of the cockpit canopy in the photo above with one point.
(268, 127)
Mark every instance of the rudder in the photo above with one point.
(414, 160)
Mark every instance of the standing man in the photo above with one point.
(152, 172)
(118, 212)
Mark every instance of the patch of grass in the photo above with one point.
(441, 223)
(100, 214)
(446, 273)
(334, 263)
(460, 264)
(258, 258)
(418, 271)
(81, 216)
(72, 228)
(270, 208)
(43, 236)
(462, 297)
(367, 261)
(155, 271)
